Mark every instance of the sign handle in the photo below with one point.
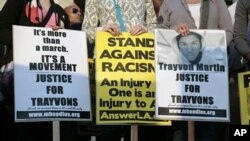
(191, 131)
(56, 130)
(134, 132)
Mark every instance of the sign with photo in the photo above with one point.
(191, 76)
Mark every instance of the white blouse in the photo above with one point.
(135, 12)
(195, 12)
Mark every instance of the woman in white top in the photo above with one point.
(101, 15)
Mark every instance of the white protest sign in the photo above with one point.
(51, 75)
(191, 76)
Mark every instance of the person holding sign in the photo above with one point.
(117, 16)
(194, 15)
(183, 15)
(104, 16)
(37, 13)
(114, 16)
(242, 44)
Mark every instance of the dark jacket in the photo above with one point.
(13, 13)
(241, 25)
(22, 12)
(175, 12)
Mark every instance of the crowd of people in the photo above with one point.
(91, 16)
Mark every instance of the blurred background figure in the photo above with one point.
(75, 16)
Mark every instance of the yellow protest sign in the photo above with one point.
(244, 94)
(125, 79)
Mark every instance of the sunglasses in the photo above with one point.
(75, 11)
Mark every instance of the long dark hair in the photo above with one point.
(80, 3)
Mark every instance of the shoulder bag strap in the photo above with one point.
(119, 16)
(205, 14)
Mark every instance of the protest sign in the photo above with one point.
(191, 76)
(244, 94)
(125, 79)
(51, 75)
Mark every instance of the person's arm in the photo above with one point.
(151, 21)
(240, 28)
(91, 19)
(225, 21)
(9, 16)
